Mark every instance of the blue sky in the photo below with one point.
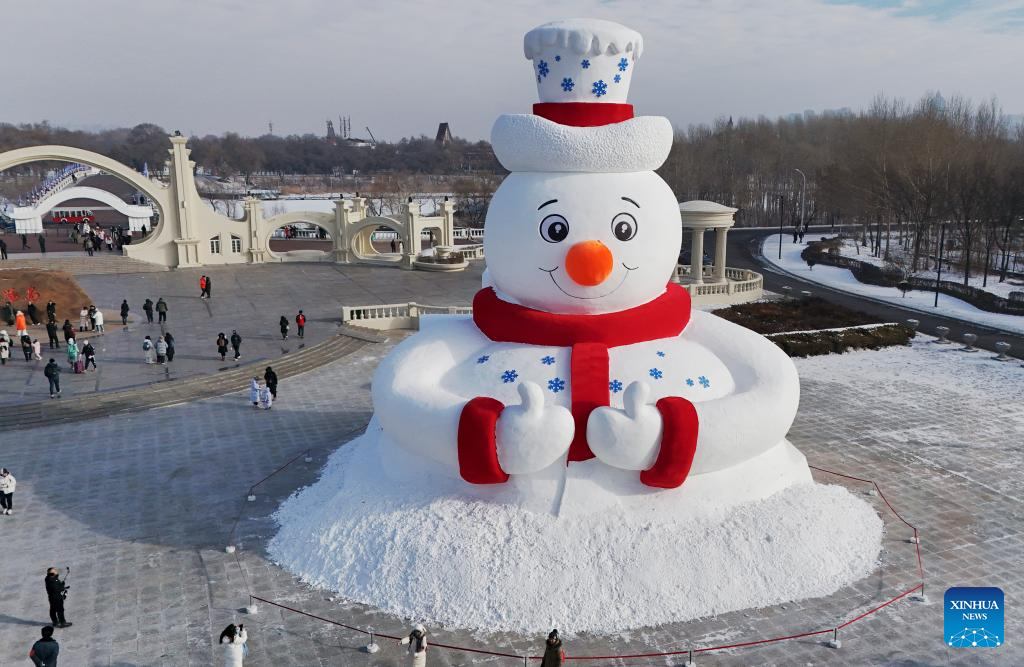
(402, 66)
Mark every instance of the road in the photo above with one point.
(744, 253)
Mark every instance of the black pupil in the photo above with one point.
(623, 230)
(557, 231)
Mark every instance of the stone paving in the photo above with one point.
(141, 507)
(250, 299)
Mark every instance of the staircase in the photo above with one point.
(80, 264)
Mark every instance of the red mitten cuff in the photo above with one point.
(678, 444)
(478, 447)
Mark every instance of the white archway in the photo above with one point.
(360, 241)
(326, 221)
(136, 214)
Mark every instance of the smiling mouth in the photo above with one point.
(551, 274)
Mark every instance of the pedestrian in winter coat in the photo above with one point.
(209, 286)
(3, 249)
(161, 310)
(553, 653)
(124, 312)
(222, 346)
(42, 244)
(266, 399)
(254, 392)
(51, 311)
(72, 352)
(26, 347)
(7, 486)
(97, 320)
(7, 313)
(202, 287)
(33, 313)
(69, 331)
(20, 325)
(148, 308)
(5, 348)
(161, 350)
(52, 373)
(417, 641)
(236, 343)
(232, 641)
(300, 324)
(44, 652)
(51, 331)
(92, 317)
(169, 339)
(270, 377)
(55, 593)
(83, 318)
(147, 349)
(37, 350)
(89, 353)
(284, 327)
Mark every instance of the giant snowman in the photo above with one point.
(586, 450)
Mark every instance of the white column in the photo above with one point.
(697, 256)
(720, 253)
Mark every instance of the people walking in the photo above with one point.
(3, 249)
(32, 312)
(161, 310)
(83, 318)
(124, 312)
(92, 317)
(169, 339)
(553, 652)
(300, 324)
(7, 486)
(5, 348)
(266, 398)
(51, 332)
(222, 346)
(209, 286)
(51, 311)
(270, 377)
(42, 244)
(89, 354)
(284, 327)
(417, 641)
(148, 308)
(236, 343)
(73, 354)
(147, 349)
(37, 349)
(88, 245)
(69, 331)
(24, 242)
(232, 641)
(26, 347)
(46, 649)
(161, 351)
(254, 392)
(52, 372)
(202, 287)
(56, 591)
(98, 320)
(20, 324)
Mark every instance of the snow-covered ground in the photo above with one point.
(843, 279)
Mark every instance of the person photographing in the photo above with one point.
(56, 593)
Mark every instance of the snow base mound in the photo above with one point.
(409, 549)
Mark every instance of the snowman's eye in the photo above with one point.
(554, 229)
(624, 226)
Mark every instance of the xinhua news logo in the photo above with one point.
(973, 617)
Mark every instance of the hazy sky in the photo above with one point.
(207, 66)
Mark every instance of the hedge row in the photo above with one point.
(814, 343)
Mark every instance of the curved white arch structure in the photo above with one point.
(138, 216)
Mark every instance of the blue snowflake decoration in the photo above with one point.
(568, 84)
(704, 382)
(585, 64)
(548, 360)
(618, 78)
(483, 359)
(660, 353)
(689, 382)
(615, 386)
(538, 78)
(655, 373)
(556, 385)
(623, 64)
(600, 88)
(558, 59)
(509, 376)
(542, 68)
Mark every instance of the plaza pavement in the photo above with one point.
(141, 507)
(250, 299)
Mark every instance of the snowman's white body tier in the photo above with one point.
(745, 391)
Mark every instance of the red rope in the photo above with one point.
(290, 461)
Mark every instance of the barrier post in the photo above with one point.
(689, 660)
(371, 647)
(834, 642)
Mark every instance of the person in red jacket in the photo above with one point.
(202, 287)
(300, 323)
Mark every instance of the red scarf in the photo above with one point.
(589, 336)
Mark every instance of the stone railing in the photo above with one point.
(475, 251)
(396, 315)
(740, 285)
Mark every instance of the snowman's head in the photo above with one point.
(582, 243)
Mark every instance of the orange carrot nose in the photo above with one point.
(589, 263)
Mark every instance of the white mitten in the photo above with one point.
(531, 436)
(630, 438)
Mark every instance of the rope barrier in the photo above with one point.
(833, 630)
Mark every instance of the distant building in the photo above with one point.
(444, 134)
(332, 138)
